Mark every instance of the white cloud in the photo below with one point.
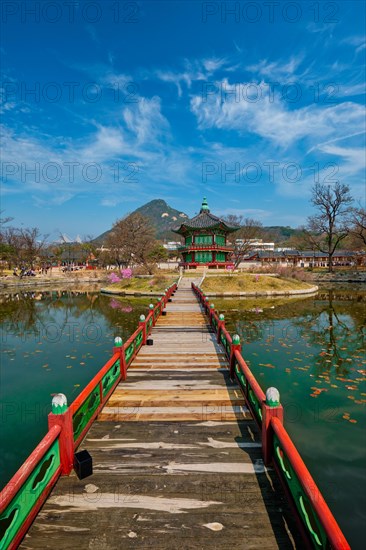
(352, 90)
(193, 71)
(138, 143)
(277, 70)
(146, 121)
(274, 120)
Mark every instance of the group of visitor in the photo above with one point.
(24, 272)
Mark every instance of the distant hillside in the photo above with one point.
(162, 216)
(280, 233)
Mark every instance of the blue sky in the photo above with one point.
(107, 105)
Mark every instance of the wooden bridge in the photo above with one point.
(177, 451)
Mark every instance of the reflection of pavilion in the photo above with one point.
(205, 240)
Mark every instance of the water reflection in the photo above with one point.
(313, 351)
(52, 341)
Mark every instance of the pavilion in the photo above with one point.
(205, 240)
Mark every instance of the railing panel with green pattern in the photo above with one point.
(254, 402)
(225, 342)
(304, 507)
(86, 411)
(23, 496)
(319, 525)
(110, 378)
(28, 497)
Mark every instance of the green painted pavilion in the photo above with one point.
(205, 240)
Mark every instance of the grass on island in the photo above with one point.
(154, 284)
(251, 283)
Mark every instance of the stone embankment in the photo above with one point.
(39, 281)
(339, 277)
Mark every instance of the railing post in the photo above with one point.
(119, 348)
(210, 312)
(271, 408)
(61, 416)
(235, 345)
(142, 323)
(220, 324)
(151, 308)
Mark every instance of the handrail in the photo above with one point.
(251, 379)
(227, 335)
(61, 429)
(333, 531)
(326, 533)
(79, 400)
(23, 496)
(18, 479)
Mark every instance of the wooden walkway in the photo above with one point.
(176, 457)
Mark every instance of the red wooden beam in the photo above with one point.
(14, 544)
(20, 477)
(259, 393)
(331, 527)
(84, 394)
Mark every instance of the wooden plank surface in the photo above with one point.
(176, 457)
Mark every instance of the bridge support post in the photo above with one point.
(61, 416)
(235, 345)
(119, 348)
(271, 408)
(151, 308)
(220, 325)
(142, 323)
(210, 312)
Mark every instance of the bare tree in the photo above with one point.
(23, 246)
(245, 238)
(132, 241)
(329, 227)
(32, 245)
(358, 224)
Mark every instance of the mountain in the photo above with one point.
(162, 216)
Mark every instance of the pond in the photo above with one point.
(313, 351)
(51, 342)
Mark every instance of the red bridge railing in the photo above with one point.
(23, 496)
(317, 524)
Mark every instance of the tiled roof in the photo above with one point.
(299, 254)
(205, 220)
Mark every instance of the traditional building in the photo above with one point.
(205, 240)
